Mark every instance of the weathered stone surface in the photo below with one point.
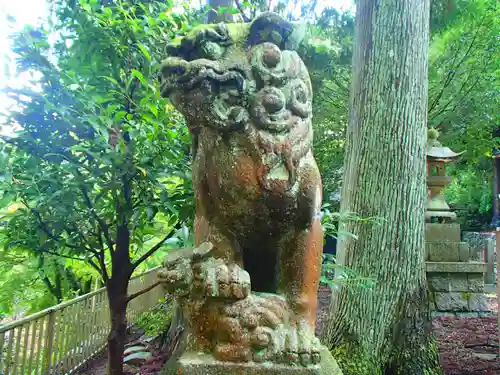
(456, 267)
(203, 364)
(443, 251)
(229, 321)
(477, 244)
(475, 282)
(458, 282)
(455, 301)
(439, 282)
(437, 232)
(246, 96)
(447, 251)
(477, 302)
(444, 314)
(490, 260)
(483, 314)
(460, 302)
(455, 282)
(464, 252)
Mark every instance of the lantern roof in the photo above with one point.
(435, 149)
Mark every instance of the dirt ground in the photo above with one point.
(467, 346)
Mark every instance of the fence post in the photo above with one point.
(49, 341)
(2, 341)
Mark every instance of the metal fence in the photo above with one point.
(61, 339)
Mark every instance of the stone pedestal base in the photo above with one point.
(203, 364)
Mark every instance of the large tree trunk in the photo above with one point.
(386, 330)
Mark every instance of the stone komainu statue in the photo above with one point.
(249, 291)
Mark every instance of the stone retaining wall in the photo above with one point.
(455, 269)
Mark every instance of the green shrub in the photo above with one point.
(156, 321)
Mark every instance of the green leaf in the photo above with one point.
(153, 109)
(111, 79)
(86, 7)
(172, 208)
(144, 172)
(144, 51)
(137, 356)
(139, 76)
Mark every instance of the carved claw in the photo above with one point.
(301, 345)
(297, 345)
(177, 275)
(223, 281)
(263, 345)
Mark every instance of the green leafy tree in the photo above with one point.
(100, 166)
(327, 52)
(30, 280)
(464, 102)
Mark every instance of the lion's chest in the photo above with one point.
(232, 170)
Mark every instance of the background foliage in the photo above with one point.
(100, 157)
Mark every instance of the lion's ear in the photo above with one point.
(271, 27)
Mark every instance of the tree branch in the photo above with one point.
(141, 292)
(452, 72)
(46, 230)
(104, 227)
(240, 8)
(153, 249)
(102, 263)
(61, 255)
(102, 272)
(466, 81)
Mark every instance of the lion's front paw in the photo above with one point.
(226, 281)
(176, 278)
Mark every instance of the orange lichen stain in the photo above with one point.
(312, 267)
(245, 169)
(201, 228)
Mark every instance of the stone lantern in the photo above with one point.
(437, 156)
(455, 271)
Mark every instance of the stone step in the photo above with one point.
(456, 267)
(459, 301)
(442, 232)
(455, 282)
(447, 251)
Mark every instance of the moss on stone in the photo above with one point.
(466, 295)
(237, 31)
(425, 361)
(353, 362)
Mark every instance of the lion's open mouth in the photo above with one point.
(178, 74)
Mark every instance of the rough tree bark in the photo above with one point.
(117, 298)
(386, 330)
(117, 289)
